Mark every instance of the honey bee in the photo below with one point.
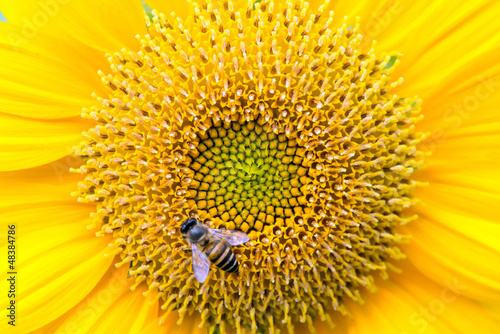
(211, 245)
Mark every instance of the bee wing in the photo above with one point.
(201, 264)
(232, 237)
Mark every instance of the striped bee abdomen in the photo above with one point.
(221, 255)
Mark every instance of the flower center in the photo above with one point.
(248, 176)
(268, 120)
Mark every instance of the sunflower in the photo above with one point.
(368, 202)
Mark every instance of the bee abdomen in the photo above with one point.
(222, 256)
(231, 265)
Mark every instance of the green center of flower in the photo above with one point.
(248, 176)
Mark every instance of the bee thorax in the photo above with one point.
(196, 233)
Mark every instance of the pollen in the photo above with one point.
(270, 119)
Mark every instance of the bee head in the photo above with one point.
(188, 225)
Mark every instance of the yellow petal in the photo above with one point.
(43, 81)
(105, 26)
(457, 233)
(26, 143)
(50, 183)
(443, 53)
(411, 303)
(472, 149)
(58, 260)
(450, 61)
(465, 123)
(109, 308)
(456, 236)
(494, 311)
(51, 51)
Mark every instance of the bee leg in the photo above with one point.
(186, 250)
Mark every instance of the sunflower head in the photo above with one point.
(269, 120)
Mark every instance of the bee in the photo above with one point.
(211, 245)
